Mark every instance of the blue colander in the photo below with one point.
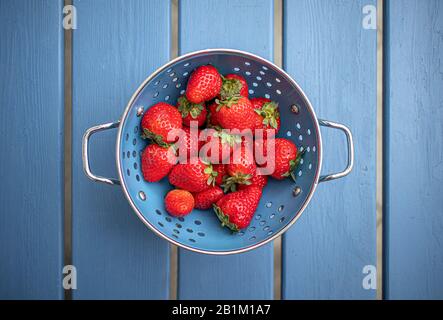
(282, 202)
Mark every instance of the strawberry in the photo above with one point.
(220, 142)
(220, 169)
(191, 111)
(235, 210)
(206, 198)
(259, 181)
(236, 113)
(194, 176)
(159, 120)
(212, 116)
(187, 146)
(233, 85)
(240, 169)
(286, 159)
(156, 162)
(204, 84)
(179, 202)
(267, 115)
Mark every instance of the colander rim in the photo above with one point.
(165, 67)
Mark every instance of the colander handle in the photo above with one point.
(85, 152)
(349, 140)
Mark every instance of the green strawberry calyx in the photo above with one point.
(231, 139)
(230, 183)
(227, 102)
(269, 112)
(158, 139)
(293, 165)
(188, 108)
(224, 219)
(230, 87)
(209, 170)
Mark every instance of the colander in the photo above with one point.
(282, 202)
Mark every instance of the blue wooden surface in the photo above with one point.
(116, 46)
(31, 140)
(334, 60)
(245, 25)
(414, 150)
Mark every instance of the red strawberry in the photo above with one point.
(267, 115)
(259, 181)
(206, 198)
(204, 84)
(187, 146)
(241, 168)
(236, 113)
(159, 120)
(221, 173)
(233, 85)
(213, 115)
(194, 176)
(235, 210)
(221, 142)
(179, 202)
(156, 162)
(286, 159)
(191, 111)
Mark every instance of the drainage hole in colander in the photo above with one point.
(156, 83)
(135, 129)
(266, 228)
(298, 125)
(169, 70)
(236, 69)
(172, 74)
(302, 161)
(192, 240)
(181, 219)
(128, 172)
(201, 234)
(289, 133)
(176, 231)
(264, 68)
(262, 223)
(310, 166)
(124, 154)
(268, 204)
(142, 195)
(282, 219)
(190, 230)
(272, 216)
(127, 137)
(278, 80)
(300, 173)
(155, 95)
(175, 79)
(135, 165)
(134, 141)
(185, 74)
(168, 219)
(165, 86)
(186, 64)
(198, 222)
(134, 154)
(182, 92)
(269, 84)
(251, 229)
(308, 132)
(247, 73)
(158, 212)
(252, 238)
(255, 84)
(175, 236)
(178, 225)
(258, 78)
(251, 91)
(178, 85)
(300, 137)
(257, 217)
(160, 224)
(166, 98)
(308, 149)
(137, 177)
(241, 233)
(128, 154)
(262, 73)
(247, 63)
(267, 96)
(270, 232)
(314, 149)
(278, 91)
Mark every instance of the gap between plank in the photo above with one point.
(278, 60)
(67, 225)
(173, 251)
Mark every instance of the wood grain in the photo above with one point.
(333, 58)
(116, 46)
(414, 149)
(31, 144)
(245, 25)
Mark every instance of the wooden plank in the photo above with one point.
(333, 58)
(116, 46)
(31, 131)
(245, 25)
(414, 149)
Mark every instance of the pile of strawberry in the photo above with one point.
(214, 103)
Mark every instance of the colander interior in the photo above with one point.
(201, 230)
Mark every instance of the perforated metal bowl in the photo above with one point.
(282, 202)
